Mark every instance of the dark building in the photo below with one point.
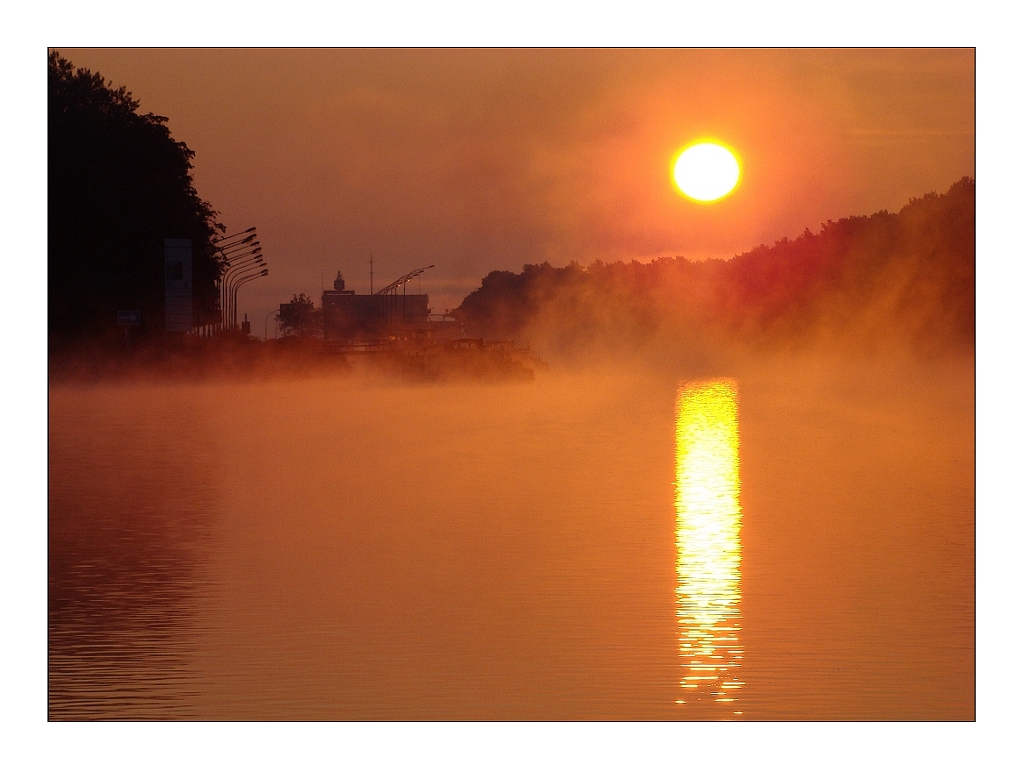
(348, 316)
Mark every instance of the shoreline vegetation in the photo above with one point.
(886, 285)
(889, 284)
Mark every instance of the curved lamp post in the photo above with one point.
(250, 242)
(231, 255)
(239, 284)
(244, 262)
(267, 317)
(242, 272)
(238, 252)
(230, 293)
(234, 250)
(237, 234)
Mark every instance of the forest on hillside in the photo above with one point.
(888, 281)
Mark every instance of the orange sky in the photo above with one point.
(475, 160)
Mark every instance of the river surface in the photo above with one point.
(785, 543)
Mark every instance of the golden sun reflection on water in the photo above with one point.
(708, 522)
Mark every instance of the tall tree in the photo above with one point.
(301, 318)
(118, 185)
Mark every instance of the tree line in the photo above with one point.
(875, 281)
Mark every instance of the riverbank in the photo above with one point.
(238, 359)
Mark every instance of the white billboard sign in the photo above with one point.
(178, 285)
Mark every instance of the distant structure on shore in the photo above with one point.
(396, 328)
(349, 317)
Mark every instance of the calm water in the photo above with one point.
(781, 544)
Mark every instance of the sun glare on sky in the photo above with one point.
(706, 172)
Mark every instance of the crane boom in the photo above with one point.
(393, 287)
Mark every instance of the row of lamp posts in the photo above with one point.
(242, 257)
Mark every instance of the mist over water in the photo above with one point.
(688, 482)
(348, 548)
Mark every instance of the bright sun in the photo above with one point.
(706, 171)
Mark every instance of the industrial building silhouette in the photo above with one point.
(348, 315)
(389, 313)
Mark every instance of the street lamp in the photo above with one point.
(229, 253)
(230, 280)
(243, 262)
(242, 271)
(237, 234)
(236, 243)
(267, 317)
(235, 250)
(236, 253)
(240, 257)
(233, 255)
(239, 284)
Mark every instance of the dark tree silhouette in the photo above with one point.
(300, 318)
(118, 185)
(890, 279)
